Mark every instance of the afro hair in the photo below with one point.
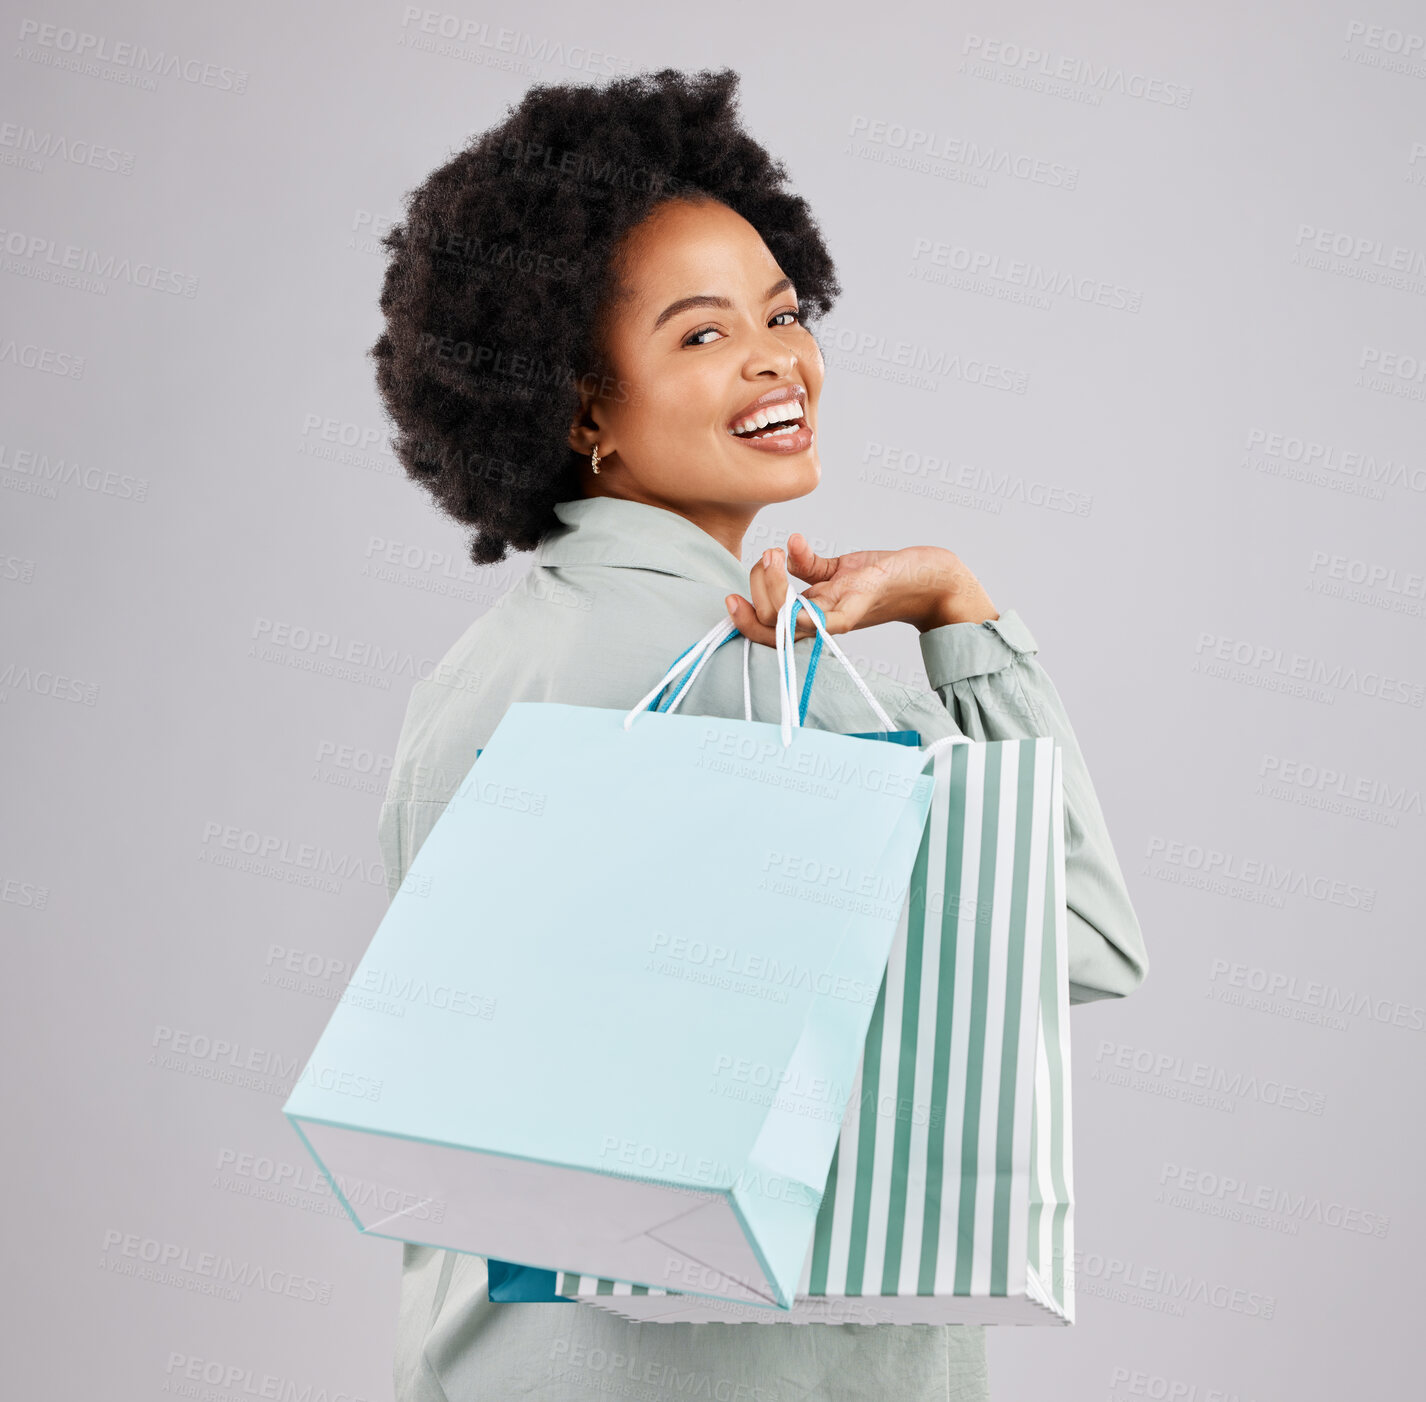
(506, 263)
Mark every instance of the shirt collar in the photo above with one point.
(635, 535)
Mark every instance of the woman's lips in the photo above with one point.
(799, 439)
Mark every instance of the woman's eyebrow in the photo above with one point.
(683, 303)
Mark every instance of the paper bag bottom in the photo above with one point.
(1037, 1306)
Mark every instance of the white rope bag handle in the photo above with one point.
(789, 705)
(698, 655)
(783, 634)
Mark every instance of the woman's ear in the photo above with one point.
(584, 430)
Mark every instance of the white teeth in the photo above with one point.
(773, 413)
(781, 432)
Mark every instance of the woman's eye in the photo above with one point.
(695, 338)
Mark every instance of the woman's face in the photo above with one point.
(707, 339)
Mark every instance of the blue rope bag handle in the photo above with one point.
(662, 703)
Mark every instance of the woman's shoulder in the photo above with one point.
(589, 636)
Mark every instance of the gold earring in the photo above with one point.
(594, 458)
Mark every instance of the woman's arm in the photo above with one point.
(982, 665)
(988, 677)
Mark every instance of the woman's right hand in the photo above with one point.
(923, 585)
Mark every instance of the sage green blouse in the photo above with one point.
(616, 592)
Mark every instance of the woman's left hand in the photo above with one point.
(923, 585)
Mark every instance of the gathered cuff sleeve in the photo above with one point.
(959, 650)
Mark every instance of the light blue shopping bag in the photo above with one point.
(540, 1050)
(506, 1281)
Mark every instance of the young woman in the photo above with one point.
(596, 348)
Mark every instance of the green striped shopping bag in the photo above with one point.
(950, 1198)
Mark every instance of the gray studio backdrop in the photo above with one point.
(1135, 322)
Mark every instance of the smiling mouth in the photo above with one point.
(775, 421)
